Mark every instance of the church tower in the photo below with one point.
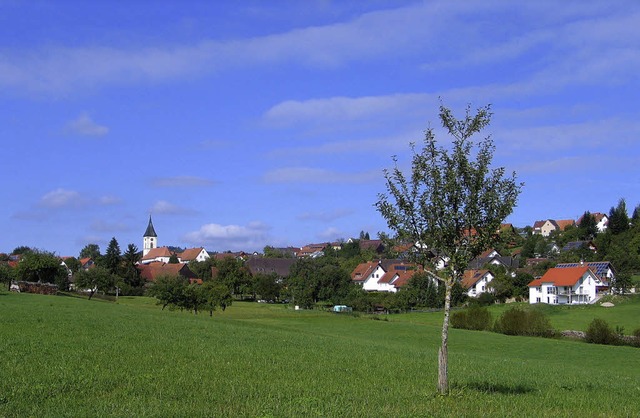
(150, 239)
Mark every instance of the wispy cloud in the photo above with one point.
(182, 181)
(230, 237)
(85, 126)
(62, 198)
(325, 216)
(164, 207)
(331, 234)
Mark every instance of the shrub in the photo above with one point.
(636, 333)
(517, 321)
(476, 318)
(599, 332)
(485, 299)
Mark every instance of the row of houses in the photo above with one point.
(548, 226)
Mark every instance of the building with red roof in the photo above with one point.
(567, 286)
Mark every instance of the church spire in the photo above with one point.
(150, 232)
(149, 239)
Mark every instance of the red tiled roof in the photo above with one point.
(190, 254)
(561, 276)
(152, 271)
(564, 223)
(157, 252)
(363, 270)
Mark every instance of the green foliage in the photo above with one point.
(518, 321)
(7, 274)
(599, 332)
(96, 279)
(43, 267)
(234, 275)
(476, 317)
(22, 249)
(91, 251)
(312, 280)
(168, 290)
(267, 286)
(588, 227)
(618, 218)
(173, 259)
(133, 282)
(112, 259)
(72, 263)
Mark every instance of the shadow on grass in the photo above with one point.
(487, 387)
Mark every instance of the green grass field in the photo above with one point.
(64, 356)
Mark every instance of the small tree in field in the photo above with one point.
(450, 203)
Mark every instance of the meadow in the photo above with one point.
(65, 356)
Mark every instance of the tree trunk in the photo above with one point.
(443, 352)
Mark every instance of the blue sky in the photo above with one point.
(242, 124)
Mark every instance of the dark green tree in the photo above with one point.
(588, 226)
(91, 251)
(130, 273)
(23, 249)
(112, 258)
(451, 203)
(267, 286)
(173, 259)
(618, 218)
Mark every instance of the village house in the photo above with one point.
(383, 275)
(546, 227)
(602, 221)
(476, 282)
(567, 286)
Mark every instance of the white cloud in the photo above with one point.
(62, 198)
(182, 181)
(85, 126)
(337, 109)
(253, 236)
(317, 176)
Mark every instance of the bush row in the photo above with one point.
(529, 322)
(514, 321)
(600, 332)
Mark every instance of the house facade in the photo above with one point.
(567, 286)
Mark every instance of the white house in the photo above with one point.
(193, 254)
(383, 276)
(566, 286)
(476, 282)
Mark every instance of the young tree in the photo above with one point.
(169, 290)
(450, 203)
(130, 273)
(94, 280)
(7, 274)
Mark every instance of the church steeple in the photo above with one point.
(150, 238)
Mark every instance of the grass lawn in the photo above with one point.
(64, 356)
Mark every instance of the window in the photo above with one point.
(538, 300)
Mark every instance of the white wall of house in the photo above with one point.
(547, 228)
(371, 282)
